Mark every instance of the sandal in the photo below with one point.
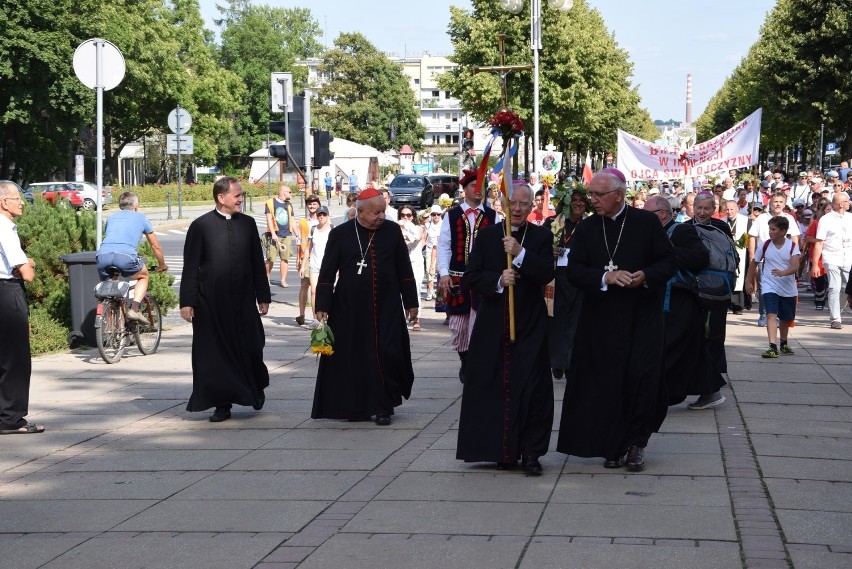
(27, 429)
(416, 327)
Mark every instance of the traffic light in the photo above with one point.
(278, 150)
(467, 140)
(322, 154)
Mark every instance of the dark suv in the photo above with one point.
(414, 190)
(444, 184)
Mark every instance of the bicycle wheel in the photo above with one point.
(110, 334)
(148, 335)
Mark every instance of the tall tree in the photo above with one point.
(584, 79)
(367, 98)
(256, 41)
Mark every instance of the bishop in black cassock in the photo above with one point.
(223, 292)
(370, 371)
(621, 259)
(507, 402)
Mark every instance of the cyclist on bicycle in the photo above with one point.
(124, 231)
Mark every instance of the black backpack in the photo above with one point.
(714, 284)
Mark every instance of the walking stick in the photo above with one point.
(507, 175)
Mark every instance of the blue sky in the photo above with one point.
(666, 39)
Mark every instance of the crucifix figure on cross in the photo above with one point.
(502, 70)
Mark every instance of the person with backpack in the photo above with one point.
(716, 235)
(778, 259)
(279, 232)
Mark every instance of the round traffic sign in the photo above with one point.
(112, 64)
(180, 118)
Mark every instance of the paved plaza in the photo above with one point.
(125, 477)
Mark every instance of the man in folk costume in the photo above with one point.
(507, 403)
(459, 230)
(370, 371)
(621, 259)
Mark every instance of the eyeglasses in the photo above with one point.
(599, 195)
(15, 199)
(319, 214)
(406, 215)
(438, 214)
(655, 210)
(519, 204)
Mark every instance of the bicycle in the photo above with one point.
(114, 330)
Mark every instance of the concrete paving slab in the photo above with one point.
(316, 485)
(225, 516)
(829, 388)
(40, 516)
(99, 485)
(485, 486)
(810, 495)
(32, 552)
(298, 459)
(155, 460)
(64, 421)
(402, 419)
(454, 518)
(806, 468)
(241, 418)
(373, 439)
(682, 420)
(802, 447)
(444, 460)
(641, 489)
(685, 444)
(791, 398)
(617, 520)
(811, 526)
(177, 439)
(798, 371)
(357, 552)
(600, 556)
(797, 412)
(820, 560)
(834, 429)
(659, 463)
(236, 551)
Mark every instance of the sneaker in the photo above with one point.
(820, 307)
(786, 350)
(139, 317)
(770, 353)
(707, 401)
(835, 324)
(761, 321)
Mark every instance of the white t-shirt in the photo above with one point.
(319, 239)
(777, 258)
(760, 227)
(11, 254)
(835, 231)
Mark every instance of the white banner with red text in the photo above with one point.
(737, 147)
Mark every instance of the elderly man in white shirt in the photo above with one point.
(834, 245)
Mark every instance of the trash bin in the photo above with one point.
(83, 276)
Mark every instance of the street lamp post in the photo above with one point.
(515, 7)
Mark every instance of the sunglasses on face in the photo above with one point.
(406, 215)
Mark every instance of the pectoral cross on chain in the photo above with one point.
(360, 264)
(609, 268)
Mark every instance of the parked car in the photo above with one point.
(88, 190)
(412, 189)
(445, 184)
(60, 195)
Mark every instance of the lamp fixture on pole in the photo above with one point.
(515, 7)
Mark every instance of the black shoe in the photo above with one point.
(261, 399)
(614, 462)
(635, 458)
(505, 465)
(532, 466)
(220, 414)
(558, 373)
(383, 420)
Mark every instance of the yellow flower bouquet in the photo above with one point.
(322, 340)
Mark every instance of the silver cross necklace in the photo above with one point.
(361, 264)
(612, 266)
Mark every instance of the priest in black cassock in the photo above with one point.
(621, 259)
(507, 402)
(223, 293)
(370, 371)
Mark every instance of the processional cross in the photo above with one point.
(502, 70)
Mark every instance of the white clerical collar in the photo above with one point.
(225, 215)
(614, 217)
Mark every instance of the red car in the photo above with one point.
(59, 195)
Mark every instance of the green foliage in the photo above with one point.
(159, 284)
(585, 92)
(46, 333)
(158, 194)
(798, 73)
(257, 40)
(367, 97)
(46, 234)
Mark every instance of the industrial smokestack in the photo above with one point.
(689, 98)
